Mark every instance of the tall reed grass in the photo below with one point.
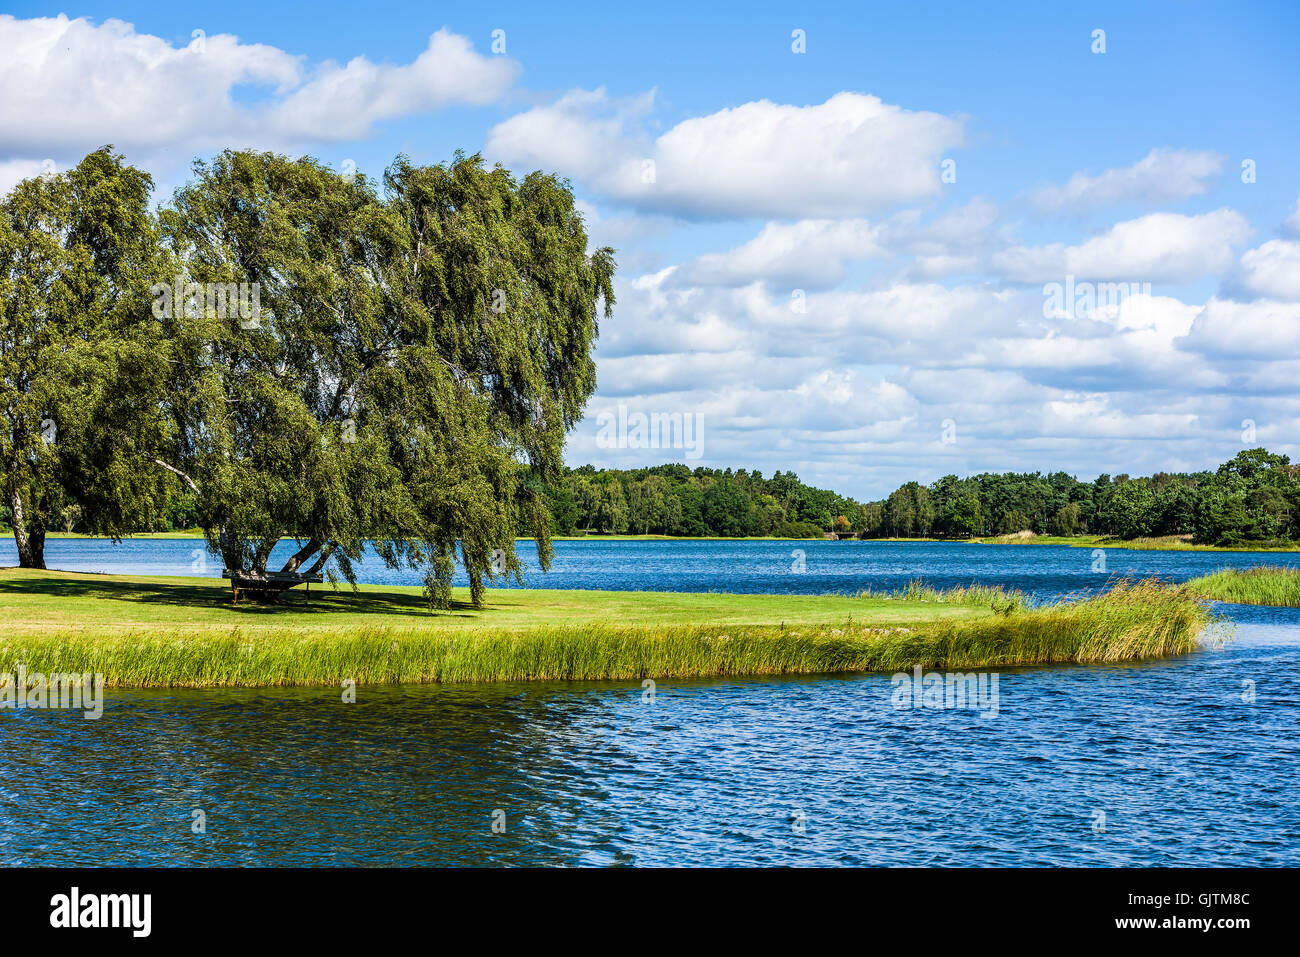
(1003, 601)
(1261, 585)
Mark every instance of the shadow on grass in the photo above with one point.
(209, 594)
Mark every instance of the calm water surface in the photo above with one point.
(1162, 763)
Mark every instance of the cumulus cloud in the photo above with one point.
(1259, 330)
(1272, 271)
(855, 384)
(811, 253)
(1162, 176)
(1159, 247)
(852, 155)
(581, 135)
(962, 228)
(72, 85)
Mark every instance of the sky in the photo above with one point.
(868, 242)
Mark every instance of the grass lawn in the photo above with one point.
(41, 602)
(185, 632)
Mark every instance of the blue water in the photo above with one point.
(1191, 761)
(787, 567)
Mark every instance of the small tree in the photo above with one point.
(1066, 520)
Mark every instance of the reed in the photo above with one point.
(1261, 585)
(1000, 600)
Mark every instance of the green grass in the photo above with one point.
(1262, 585)
(185, 633)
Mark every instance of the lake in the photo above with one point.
(1191, 761)
(746, 566)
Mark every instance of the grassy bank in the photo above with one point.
(1262, 585)
(184, 632)
(1164, 543)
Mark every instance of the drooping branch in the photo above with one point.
(175, 471)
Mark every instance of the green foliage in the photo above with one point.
(676, 500)
(1130, 510)
(1253, 498)
(418, 355)
(1067, 520)
(79, 352)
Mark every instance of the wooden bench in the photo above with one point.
(268, 587)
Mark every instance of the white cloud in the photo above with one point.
(1272, 270)
(71, 86)
(811, 253)
(851, 155)
(856, 386)
(964, 228)
(828, 388)
(1097, 417)
(1163, 175)
(346, 102)
(1260, 330)
(14, 171)
(1159, 247)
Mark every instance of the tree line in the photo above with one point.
(1254, 497)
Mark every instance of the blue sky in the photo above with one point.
(813, 177)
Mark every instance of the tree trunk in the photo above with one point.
(28, 537)
(322, 559)
(231, 550)
(297, 558)
(263, 553)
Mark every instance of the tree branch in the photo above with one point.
(297, 558)
(175, 471)
(320, 562)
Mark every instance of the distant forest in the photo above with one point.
(1255, 497)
